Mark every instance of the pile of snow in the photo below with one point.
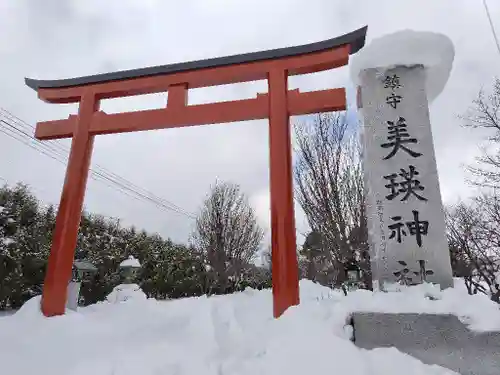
(227, 335)
(407, 48)
(126, 292)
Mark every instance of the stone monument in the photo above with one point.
(404, 208)
(397, 76)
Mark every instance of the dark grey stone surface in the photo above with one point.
(355, 39)
(428, 260)
(433, 338)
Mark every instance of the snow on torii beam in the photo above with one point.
(176, 79)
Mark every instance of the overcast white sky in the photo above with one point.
(60, 38)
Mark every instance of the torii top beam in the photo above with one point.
(178, 78)
(239, 68)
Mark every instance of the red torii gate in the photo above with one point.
(276, 105)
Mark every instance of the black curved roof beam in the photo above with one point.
(355, 39)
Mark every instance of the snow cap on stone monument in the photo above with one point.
(406, 48)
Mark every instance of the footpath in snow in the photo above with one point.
(224, 335)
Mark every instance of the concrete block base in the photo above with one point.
(434, 339)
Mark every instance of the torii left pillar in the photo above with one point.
(69, 214)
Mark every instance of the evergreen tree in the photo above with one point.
(169, 270)
(22, 251)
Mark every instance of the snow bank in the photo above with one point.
(31, 312)
(31, 309)
(407, 47)
(227, 335)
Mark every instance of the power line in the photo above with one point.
(492, 26)
(98, 170)
(95, 175)
(98, 175)
(55, 157)
(21, 131)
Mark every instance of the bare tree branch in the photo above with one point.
(474, 237)
(485, 114)
(227, 232)
(329, 187)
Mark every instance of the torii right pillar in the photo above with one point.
(398, 75)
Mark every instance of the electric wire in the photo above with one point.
(18, 129)
(493, 31)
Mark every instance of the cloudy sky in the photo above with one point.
(60, 38)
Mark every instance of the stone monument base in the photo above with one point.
(73, 293)
(432, 338)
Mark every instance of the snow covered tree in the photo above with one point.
(23, 247)
(175, 271)
(169, 270)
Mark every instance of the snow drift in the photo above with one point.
(232, 334)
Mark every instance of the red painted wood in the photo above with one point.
(277, 105)
(64, 238)
(177, 115)
(177, 96)
(284, 257)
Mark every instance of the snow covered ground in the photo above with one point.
(227, 335)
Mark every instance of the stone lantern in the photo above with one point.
(81, 271)
(353, 273)
(129, 269)
(352, 276)
(128, 290)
